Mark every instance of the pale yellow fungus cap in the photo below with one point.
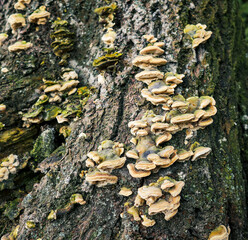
(153, 50)
(148, 62)
(163, 138)
(20, 46)
(145, 165)
(39, 16)
(53, 88)
(100, 178)
(112, 164)
(135, 212)
(2, 108)
(176, 190)
(16, 21)
(220, 233)
(137, 174)
(160, 206)
(125, 192)
(68, 85)
(148, 76)
(139, 201)
(147, 222)
(132, 154)
(149, 191)
(182, 118)
(201, 152)
(3, 37)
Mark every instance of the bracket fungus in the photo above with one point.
(8, 166)
(74, 199)
(197, 33)
(160, 197)
(125, 192)
(16, 21)
(103, 161)
(61, 99)
(109, 60)
(63, 38)
(39, 16)
(21, 4)
(20, 46)
(3, 37)
(220, 233)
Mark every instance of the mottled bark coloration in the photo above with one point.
(215, 187)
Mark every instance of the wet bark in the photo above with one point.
(215, 187)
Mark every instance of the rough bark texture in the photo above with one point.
(215, 190)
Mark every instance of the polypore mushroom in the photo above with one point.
(220, 233)
(69, 84)
(77, 198)
(137, 174)
(149, 76)
(147, 222)
(100, 178)
(146, 192)
(160, 206)
(3, 37)
(2, 108)
(16, 21)
(176, 189)
(135, 212)
(148, 62)
(125, 191)
(109, 37)
(112, 164)
(39, 16)
(201, 152)
(145, 165)
(20, 46)
(153, 50)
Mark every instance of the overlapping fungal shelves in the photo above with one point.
(151, 136)
(111, 57)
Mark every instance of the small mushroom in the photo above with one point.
(149, 191)
(160, 206)
(3, 37)
(69, 84)
(20, 46)
(153, 50)
(147, 222)
(39, 16)
(16, 21)
(145, 165)
(132, 154)
(148, 76)
(125, 192)
(2, 108)
(175, 191)
(53, 88)
(100, 178)
(220, 233)
(112, 164)
(182, 118)
(137, 174)
(139, 201)
(201, 152)
(135, 212)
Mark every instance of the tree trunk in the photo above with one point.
(215, 188)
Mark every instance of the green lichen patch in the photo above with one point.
(44, 145)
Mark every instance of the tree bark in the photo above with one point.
(215, 187)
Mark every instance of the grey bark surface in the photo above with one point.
(215, 187)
